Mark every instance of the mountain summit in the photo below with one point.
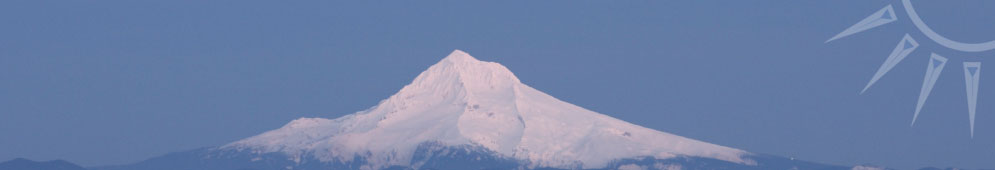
(462, 101)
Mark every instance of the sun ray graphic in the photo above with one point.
(905, 46)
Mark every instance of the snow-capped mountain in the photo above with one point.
(465, 101)
(463, 113)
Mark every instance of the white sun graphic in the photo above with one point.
(972, 70)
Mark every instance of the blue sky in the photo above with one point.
(115, 82)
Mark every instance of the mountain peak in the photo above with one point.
(460, 56)
(459, 70)
(468, 66)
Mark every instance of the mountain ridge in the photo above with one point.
(26, 164)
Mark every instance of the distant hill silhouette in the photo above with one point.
(25, 164)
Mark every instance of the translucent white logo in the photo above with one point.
(972, 70)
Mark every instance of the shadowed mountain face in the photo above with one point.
(436, 156)
(25, 164)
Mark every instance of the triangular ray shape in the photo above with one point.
(972, 78)
(883, 16)
(902, 50)
(887, 15)
(932, 74)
